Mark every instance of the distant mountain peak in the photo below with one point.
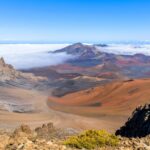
(81, 50)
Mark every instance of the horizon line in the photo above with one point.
(72, 42)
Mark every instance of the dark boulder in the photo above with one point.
(138, 125)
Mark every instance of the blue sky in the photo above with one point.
(74, 20)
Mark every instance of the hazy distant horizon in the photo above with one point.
(25, 56)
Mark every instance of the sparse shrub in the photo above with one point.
(92, 139)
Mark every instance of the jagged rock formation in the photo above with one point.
(138, 125)
(7, 72)
(11, 77)
(23, 138)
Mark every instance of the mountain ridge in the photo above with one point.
(81, 50)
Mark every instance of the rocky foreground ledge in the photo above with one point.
(42, 138)
(48, 137)
(134, 135)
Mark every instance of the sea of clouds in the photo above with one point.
(25, 56)
(127, 49)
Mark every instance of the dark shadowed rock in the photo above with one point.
(138, 125)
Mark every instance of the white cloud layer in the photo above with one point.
(24, 56)
(127, 49)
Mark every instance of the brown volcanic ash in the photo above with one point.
(21, 102)
(66, 86)
(114, 100)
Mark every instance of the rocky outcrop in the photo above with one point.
(133, 144)
(7, 72)
(48, 131)
(23, 138)
(138, 125)
(11, 76)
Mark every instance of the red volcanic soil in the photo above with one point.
(113, 102)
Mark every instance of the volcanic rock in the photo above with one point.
(138, 125)
(7, 73)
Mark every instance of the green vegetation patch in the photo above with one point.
(92, 139)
